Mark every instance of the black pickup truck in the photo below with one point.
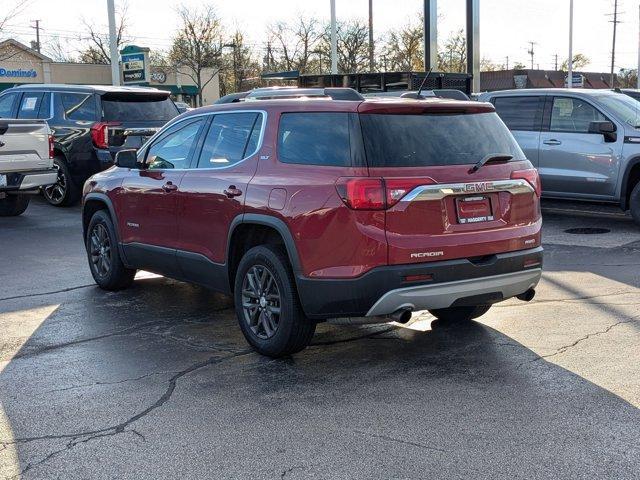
(89, 125)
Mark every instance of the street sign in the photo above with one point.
(577, 80)
(135, 65)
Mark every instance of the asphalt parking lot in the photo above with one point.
(158, 382)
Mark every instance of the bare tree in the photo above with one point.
(57, 50)
(197, 45)
(292, 46)
(453, 56)
(239, 67)
(353, 46)
(404, 48)
(9, 11)
(98, 49)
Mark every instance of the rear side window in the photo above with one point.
(314, 139)
(520, 113)
(78, 106)
(434, 140)
(34, 105)
(231, 137)
(138, 108)
(7, 103)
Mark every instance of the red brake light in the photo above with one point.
(362, 193)
(50, 146)
(370, 193)
(100, 133)
(531, 176)
(397, 188)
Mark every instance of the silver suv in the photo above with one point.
(584, 143)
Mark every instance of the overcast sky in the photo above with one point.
(506, 25)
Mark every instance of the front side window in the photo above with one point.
(520, 113)
(320, 138)
(573, 115)
(173, 149)
(78, 106)
(624, 107)
(231, 138)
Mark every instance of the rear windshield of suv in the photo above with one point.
(136, 108)
(435, 139)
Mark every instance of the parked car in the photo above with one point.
(26, 162)
(182, 107)
(306, 210)
(584, 143)
(632, 92)
(89, 125)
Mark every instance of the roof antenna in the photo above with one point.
(423, 82)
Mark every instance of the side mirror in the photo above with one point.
(127, 158)
(608, 129)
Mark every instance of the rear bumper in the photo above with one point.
(32, 180)
(384, 290)
(473, 291)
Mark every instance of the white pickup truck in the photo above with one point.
(26, 163)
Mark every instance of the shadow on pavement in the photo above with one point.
(158, 382)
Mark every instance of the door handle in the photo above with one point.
(232, 191)
(169, 187)
(552, 141)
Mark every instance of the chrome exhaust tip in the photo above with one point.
(402, 315)
(527, 296)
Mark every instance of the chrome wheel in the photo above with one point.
(55, 193)
(100, 250)
(261, 301)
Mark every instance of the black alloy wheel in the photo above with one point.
(55, 194)
(100, 250)
(261, 302)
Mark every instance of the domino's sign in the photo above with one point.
(18, 73)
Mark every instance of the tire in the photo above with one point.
(264, 280)
(64, 192)
(459, 314)
(104, 256)
(634, 203)
(13, 205)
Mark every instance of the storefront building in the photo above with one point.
(20, 65)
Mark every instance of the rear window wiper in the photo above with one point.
(492, 157)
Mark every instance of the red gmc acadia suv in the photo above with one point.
(306, 209)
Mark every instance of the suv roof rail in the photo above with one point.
(334, 93)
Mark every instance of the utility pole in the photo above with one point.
(615, 22)
(371, 46)
(37, 28)
(334, 39)
(113, 44)
(507, 62)
(570, 61)
(556, 61)
(531, 52)
(638, 71)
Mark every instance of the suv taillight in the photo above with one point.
(50, 146)
(531, 176)
(100, 134)
(367, 193)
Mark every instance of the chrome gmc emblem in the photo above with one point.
(478, 187)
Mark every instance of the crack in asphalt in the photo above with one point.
(94, 384)
(58, 346)
(289, 470)
(90, 435)
(53, 292)
(401, 441)
(564, 348)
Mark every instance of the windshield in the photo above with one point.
(430, 140)
(138, 108)
(624, 107)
